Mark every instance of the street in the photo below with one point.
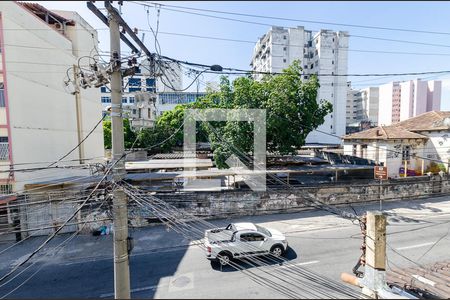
(164, 265)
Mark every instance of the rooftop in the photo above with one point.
(408, 129)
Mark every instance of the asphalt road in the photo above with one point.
(320, 244)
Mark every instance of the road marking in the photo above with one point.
(307, 263)
(424, 280)
(289, 265)
(415, 246)
(154, 287)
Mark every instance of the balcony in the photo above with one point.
(4, 151)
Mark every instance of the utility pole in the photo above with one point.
(373, 283)
(120, 213)
(79, 115)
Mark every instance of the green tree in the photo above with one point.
(292, 112)
(129, 135)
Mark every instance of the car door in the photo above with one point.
(253, 243)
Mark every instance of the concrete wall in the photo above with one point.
(226, 203)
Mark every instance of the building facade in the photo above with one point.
(40, 121)
(354, 107)
(419, 97)
(370, 104)
(322, 53)
(413, 145)
(389, 100)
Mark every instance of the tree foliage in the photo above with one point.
(129, 134)
(292, 112)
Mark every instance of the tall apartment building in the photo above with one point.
(418, 97)
(354, 107)
(389, 103)
(324, 52)
(370, 104)
(39, 120)
(407, 99)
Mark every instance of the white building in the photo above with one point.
(354, 108)
(389, 101)
(323, 53)
(407, 99)
(39, 120)
(415, 143)
(170, 80)
(418, 97)
(370, 104)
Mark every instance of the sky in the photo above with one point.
(425, 16)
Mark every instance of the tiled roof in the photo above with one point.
(385, 133)
(433, 120)
(408, 129)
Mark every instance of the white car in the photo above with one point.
(240, 240)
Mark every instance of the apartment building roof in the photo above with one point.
(408, 129)
(45, 14)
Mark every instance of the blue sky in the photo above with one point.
(429, 16)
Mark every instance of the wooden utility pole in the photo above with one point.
(120, 213)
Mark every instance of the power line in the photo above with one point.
(270, 25)
(302, 20)
(299, 46)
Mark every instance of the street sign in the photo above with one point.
(380, 173)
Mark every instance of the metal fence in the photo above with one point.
(4, 151)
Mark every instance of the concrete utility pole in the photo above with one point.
(79, 115)
(120, 213)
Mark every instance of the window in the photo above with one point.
(150, 89)
(306, 76)
(131, 99)
(406, 152)
(312, 66)
(139, 113)
(136, 82)
(284, 37)
(284, 60)
(332, 84)
(103, 89)
(2, 95)
(354, 147)
(333, 40)
(332, 51)
(134, 111)
(149, 113)
(106, 99)
(332, 62)
(3, 139)
(284, 48)
(131, 90)
(252, 237)
(124, 100)
(150, 82)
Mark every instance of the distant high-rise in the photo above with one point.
(419, 97)
(323, 53)
(407, 99)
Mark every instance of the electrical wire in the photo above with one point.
(300, 20)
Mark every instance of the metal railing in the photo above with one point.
(4, 151)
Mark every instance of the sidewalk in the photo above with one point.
(159, 238)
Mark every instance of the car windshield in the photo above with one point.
(263, 230)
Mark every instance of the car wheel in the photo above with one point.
(277, 251)
(224, 259)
